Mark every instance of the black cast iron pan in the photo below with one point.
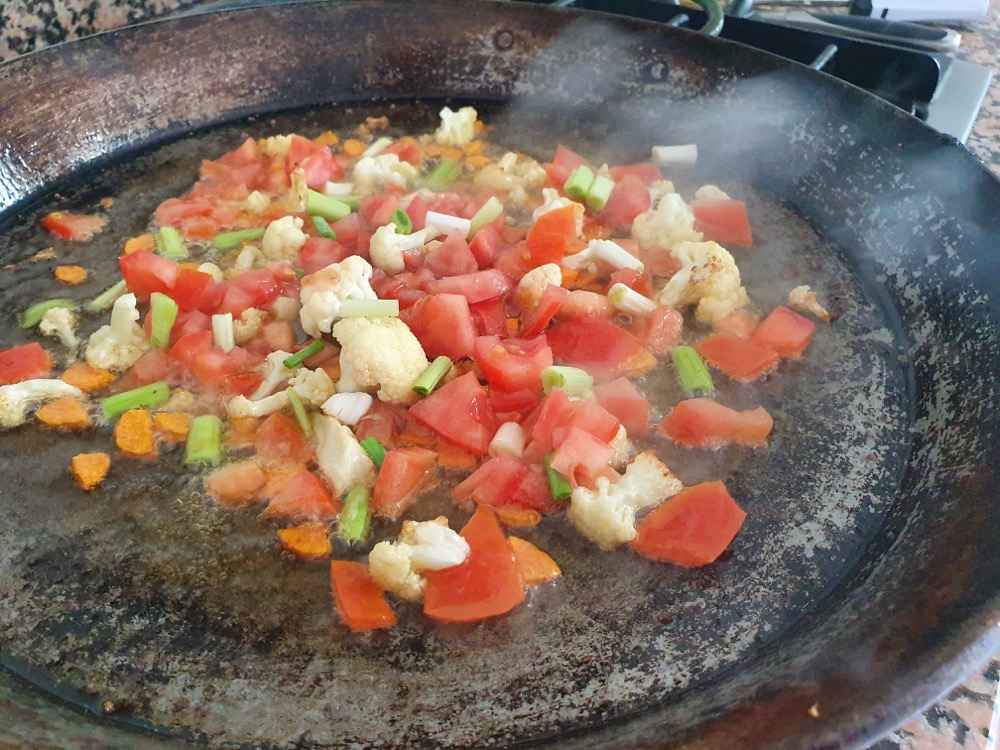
(865, 582)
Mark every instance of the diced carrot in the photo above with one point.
(516, 517)
(477, 161)
(360, 602)
(240, 432)
(87, 378)
(639, 364)
(569, 276)
(189, 266)
(90, 469)
(142, 242)
(739, 359)
(451, 457)
(452, 152)
(353, 147)
(474, 148)
(310, 541)
(533, 565)
(172, 426)
(236, 484)
(64, 413)
(71, 275)
(784, 332)
(705, 423)
(329, 138)
(134, 434)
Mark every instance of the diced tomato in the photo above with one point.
(347, 230)
(692, 528)
(236, 484)
(785, 332)
(319, 252)
(145, 272)
(279, 438)
(459, 412)
(485, 585)
(451, 204)
(535, 319)
(646, 172)
(580, 457)
(151, 367)
(264, 285)
(279, 334)
(556, 415)
(190, 287)
(74, 227)
(549, 236)
(511, 365)
(490, 318)
(598, 346)
(174, 212)
(212, 366)
(486, 245)
(407, 149)
(629, 198)
(189, 347)
(360, 602)
(404, 471)
(247, 153)
(378, 422)
(562, 165)
(24, 362)
(314, 159)
(417, 211)
(404, 287)
(515, 401)
(303, 498)
(639, 282)
(621, 399)
(660, 262)
(376, 210)
(583, 305)
(475, 287)
(506, 480)
(452, 257)
(514, 261)
(723, 221)
(705, 423)
(739, 359)
(740, 323)
(240, 384)
(442, 324)
(235, 300)
(660, 331)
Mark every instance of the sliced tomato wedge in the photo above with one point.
(319, 252)
(534, 320)
(442, 324)
(486, 245)
(598, 346)
(24, 362)
(692, 528)
(190, 288)
(723, 221)
(511, 365)
(452, 257)
(459, 412)
(785, 332)
(74, 227)
(740, 360)
(580, 457)
(360, 602)
(621, 399)
(485, 585)
(303, 498)
(490, 318)
(550, 234)
(145, 272)
(475, 287)
(404, 471)
(705, 423)
(629, 198)
(279, 438)
(506, 480)
(659, 330)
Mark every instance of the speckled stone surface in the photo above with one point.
(963, 720)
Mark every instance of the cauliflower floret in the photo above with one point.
(372, 173)
(623, 448)
(283, 238)
(803, 299)
(285, 308)
(117, 346)
(276, 145)
(456, 128)
(387, 246)
(241, 406)
(246, 326)
(312, 386)
(659, 188)
(533, 284)
(422, 546)
(379, 352)
(341, 458)
(297, 198)
(669, 224)
(17, 398)
(249, 257)
(711, 193)
(553, 201)
(257, 202)
(212, 270)
(514, 174)
(708, 277)
(606, 515)
(275, 374)
(180, 399)
(323, 291)
(61, 322)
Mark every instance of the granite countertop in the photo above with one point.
(963, 720)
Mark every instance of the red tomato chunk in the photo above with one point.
(459, 412)
(404, 472)
(739, 359)
(24, 362)
(705, 423)
(360, 602)
(785, 332)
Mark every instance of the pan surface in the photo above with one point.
(865, 578)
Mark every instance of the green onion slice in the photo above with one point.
(170, 244)
(204, 440)
(369, 308)
(572, 380)
(355, 516)
(34, 314)
(402, 221)
(143, 397)
(303, 354)
(489, 213)
(374, 450)
(430, 377)
(691, 371)
(164, 311)
(232, 240)
(353, 202)
(107, 298)
(599, 192)
(445, 172)
(324, 228)
(579, 182)
(299, 410)
(331, 209)
(560, 487)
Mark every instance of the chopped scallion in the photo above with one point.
(600, 191)
(369, 308)
(560, 487)
(664, 156)
(164, 312)
(299, 409)
(579, 182)
(445, 172)
(324, 228)
(572, 380)
(34, 314)
(303, 354)
(402, 221)
(374, 450)
(355, 515)
(170, 244)
(430, 377)
(348, 407)
(107, 298)
(138, 398)
(377, 147)
(353, 202)
(331, 209)
(223, 331)
(233, 240)
(446, 223)
(628, 300)
(691, 371)
(204, 440)
(487, 214)
(615, 255)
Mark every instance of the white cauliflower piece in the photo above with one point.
(513, 174)
(246, 326)
(803, 299)
(553, 201)
(212, 270)
(667, 225)
(387, 246)
(248, 257)
(117, 346)
(711, 193)
(606, 515)
(275, 374)
(312, 386)
(421, 546)
(341, 458)
(373, 173)
(180, 399)
(285, 308)
(61, 322)
(323, 292)
(257, 202)
(456, 128)
(708, 277)
(241, 406)
(297, 198)
(379, 352)
(534, 283)
(17, 398)
(276, 145)
(283, 238)
(623, 448)
(659, 188)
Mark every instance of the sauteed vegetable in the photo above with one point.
(330, 327)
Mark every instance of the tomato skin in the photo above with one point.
(705, 423)
(598, 346)
(452, 257)
(145, 272)
(303, 498)
(460, 413)
(723, 221)
(475, 287)
(785, 332)
(740, 360)
(692, 528)
(506, 480)
(73, 227)
(403, 472)
(485, 585)
(581, 458)
(442, 324)
(549, 236)
(629, 198)
(621, 399)
(511, 365)
(279, 438)
(360, 602)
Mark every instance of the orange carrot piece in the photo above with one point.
(236, 484)
(474, 148)
(360, 602)
(240, 432)
(477, 161)
(172, 426)
(71, 275)
(450, 457)
(87, 378)
(134, 434)
(64, 413)
(90, 469)
(310, 541)
(329, 138)
(639, 364)
(514, 517)
(142, 242)
(533, 565)
(353, 147)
